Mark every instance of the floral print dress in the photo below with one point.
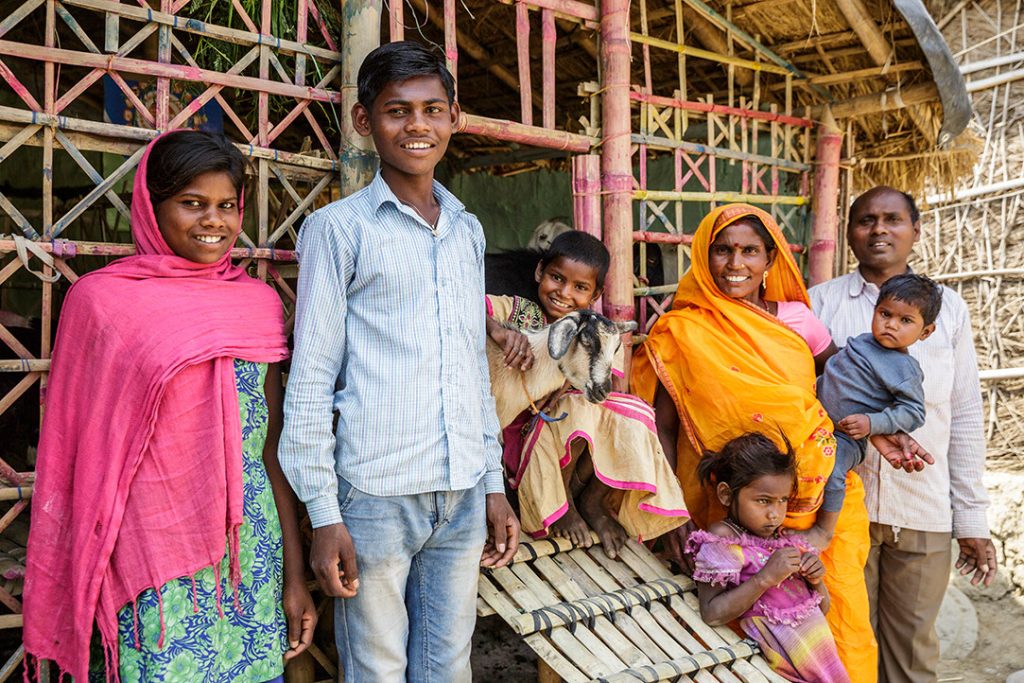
(241, 642)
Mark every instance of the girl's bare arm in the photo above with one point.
(299, 608)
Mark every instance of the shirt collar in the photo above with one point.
(858, 284)
(381, 193)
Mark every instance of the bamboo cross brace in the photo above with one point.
(197, 103)
(19, 219)
(300, 209)
(19, 88)
(15, 17)
(75, 28)
(572, 612)
(93, 174)
(77, 89)
(225, 107)
(97, 192)
(136, 103)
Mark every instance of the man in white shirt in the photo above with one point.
(913, 515)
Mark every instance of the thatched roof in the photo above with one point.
(861, 55)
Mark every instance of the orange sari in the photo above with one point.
(732, 368)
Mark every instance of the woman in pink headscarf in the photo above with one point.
(161, 519)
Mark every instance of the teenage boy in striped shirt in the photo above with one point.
(407, 495)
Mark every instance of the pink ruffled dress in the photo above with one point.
(786, 621)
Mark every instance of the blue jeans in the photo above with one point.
(419, 561)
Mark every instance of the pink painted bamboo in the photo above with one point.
(174, 71)
(825, 202)
(616, 166)
(451, 46)
(570, 8)
(676, 238)
(396, 20)
(510, 131)
(548, 33)
(162, 110)
(301, 29)
(74, 247)
(688, 105)
(523, 55)
(586, 193)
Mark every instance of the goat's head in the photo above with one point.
(584, 345)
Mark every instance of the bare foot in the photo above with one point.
(611, 533)
(571, 526)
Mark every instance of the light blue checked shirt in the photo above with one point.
(389, 331)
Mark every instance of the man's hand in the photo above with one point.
(332, 546)
(856, 426)
(902, 451)
(977, 555)
(502, 532)
(675, 546)
(300, 613)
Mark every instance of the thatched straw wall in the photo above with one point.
(983, 233)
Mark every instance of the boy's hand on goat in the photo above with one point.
(516, 346)
(332, 546)
(502, 532)
(856, 426)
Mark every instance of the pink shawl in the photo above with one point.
(139, 475)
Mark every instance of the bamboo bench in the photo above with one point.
(590, 618)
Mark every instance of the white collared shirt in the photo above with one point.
(389, 331)
(949, 495)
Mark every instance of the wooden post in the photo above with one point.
(825, 202)
(586, 193)
(360, 23)
(616, 162)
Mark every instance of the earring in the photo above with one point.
(764, 279)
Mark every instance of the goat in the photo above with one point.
(546, 232)
(579, 348)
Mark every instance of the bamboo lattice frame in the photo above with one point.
(301, 78)
(594, 619)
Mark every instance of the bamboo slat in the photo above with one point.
(591, 618)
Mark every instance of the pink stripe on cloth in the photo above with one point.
(625, 485)
(655, 510)
(643, 417)
(490, 306)
(578, 434)
(618, 373)
(549, 520)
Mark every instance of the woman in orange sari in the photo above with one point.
(737, 354)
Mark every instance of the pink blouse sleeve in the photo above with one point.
(717, 560)
(800, 318)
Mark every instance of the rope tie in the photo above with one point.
(533, 406)
(23, 246)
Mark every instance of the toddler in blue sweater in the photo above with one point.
(873, 385)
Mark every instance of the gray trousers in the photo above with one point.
(906, 575)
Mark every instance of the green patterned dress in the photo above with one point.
(247, 643)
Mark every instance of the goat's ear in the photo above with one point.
(561, 334)
(628, 326)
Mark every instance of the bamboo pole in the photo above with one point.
(698, 148)
(878, 102)
(396, 20)
(476, 51)
(715, 196)
(172, 71)
(361, 25)
(510, 131)
(825, 204)
(586, 193)
(616, 168)
(549, 37)
(451, 47)
(523, 60)
(707, 107)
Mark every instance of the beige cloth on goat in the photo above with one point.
(622, 439)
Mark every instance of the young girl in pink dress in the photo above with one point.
(745, 570)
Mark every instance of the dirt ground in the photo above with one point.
(499, 656)
(1000, 648)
